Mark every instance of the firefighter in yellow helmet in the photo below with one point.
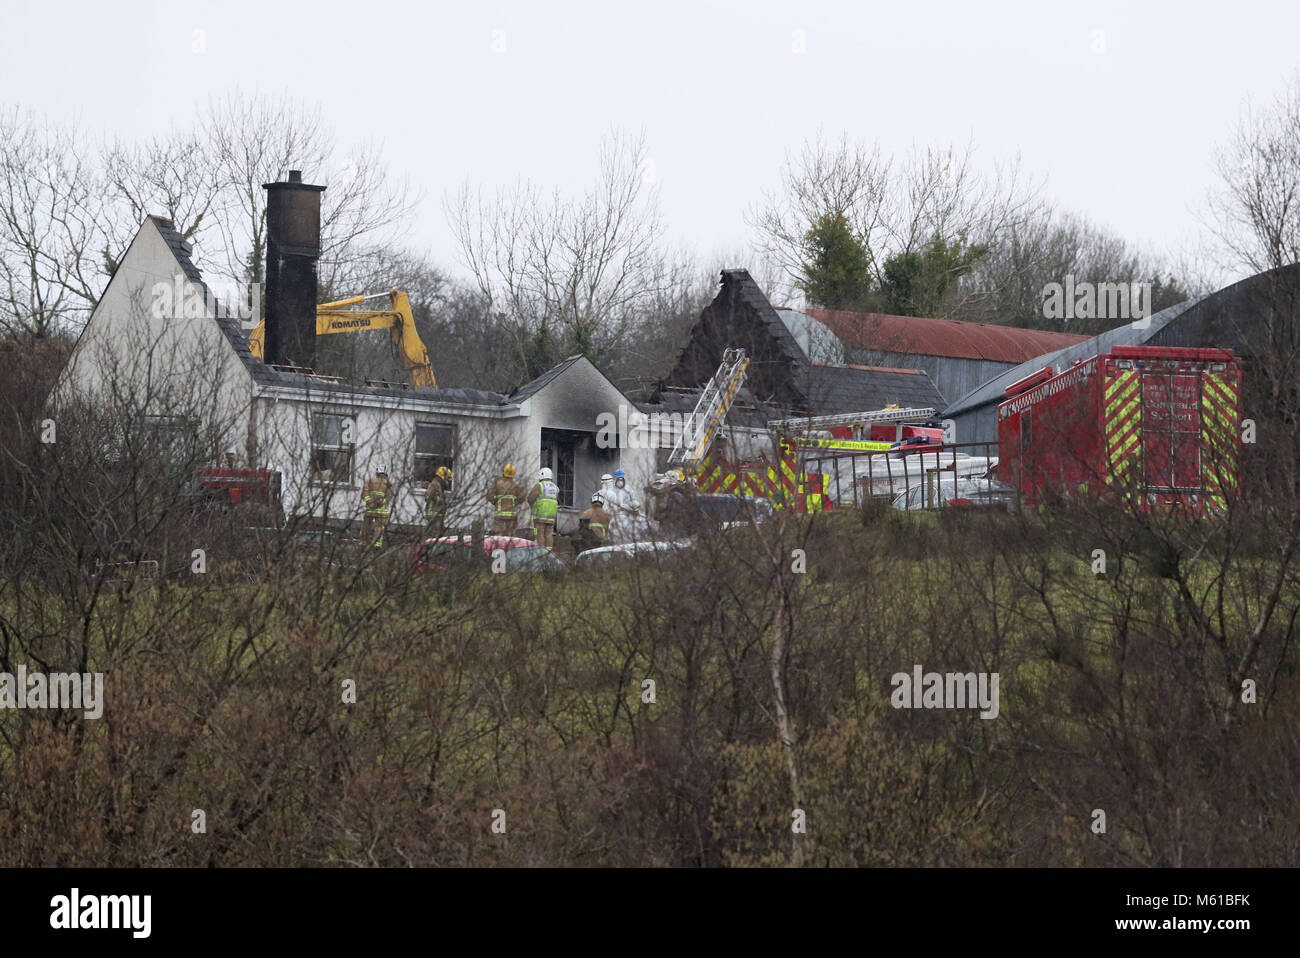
(504, 495)
(544, 498)
(377, 497)
(435, 501)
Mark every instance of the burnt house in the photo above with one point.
(160, 342)
(783, 378)
(791, 374)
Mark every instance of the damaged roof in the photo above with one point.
(269, 376)
(781, 374)
(545, 379)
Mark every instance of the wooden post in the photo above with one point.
(476, 540)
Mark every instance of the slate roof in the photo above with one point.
(544, 380)
(837, 389)
(941, 337)
(268, 376)
(745, 411)
(229, 325)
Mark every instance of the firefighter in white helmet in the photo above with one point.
(544, 499)
(376, 496)
(593, 525)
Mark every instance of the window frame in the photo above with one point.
(550, 458)
(326, 447)
(433, 460)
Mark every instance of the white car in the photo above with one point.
(653, 549)
(940, 493)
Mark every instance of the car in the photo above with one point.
(520, 555)
(652, 549)
(732, 509)
(914, 444)
(961, 493)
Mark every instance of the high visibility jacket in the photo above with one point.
(545, 500)
(376, 494)
(433, 498)
(597, 520)
(504, 495)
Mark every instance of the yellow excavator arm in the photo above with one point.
(338, 317)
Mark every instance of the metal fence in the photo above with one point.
(927, 478)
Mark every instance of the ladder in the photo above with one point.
(888, 414)
(711, 410)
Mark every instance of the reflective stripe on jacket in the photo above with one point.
(433, 499)
(376, 502)
(547, 503)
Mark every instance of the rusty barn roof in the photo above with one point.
(941, 337)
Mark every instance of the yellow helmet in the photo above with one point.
(444, 472)
(508, 471)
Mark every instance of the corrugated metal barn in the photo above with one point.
(1238, 317)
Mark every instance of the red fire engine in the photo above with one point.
(1157, 426)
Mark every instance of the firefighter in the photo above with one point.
(544, 500)
(812, 494)
(504, 495)
(593, 525)
(377, 496)
(435, 501)
(674, 502)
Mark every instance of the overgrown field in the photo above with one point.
(633, 716)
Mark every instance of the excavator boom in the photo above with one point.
(339, 317)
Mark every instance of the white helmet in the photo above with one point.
(597, 498)
(606, 478)
(545, 474)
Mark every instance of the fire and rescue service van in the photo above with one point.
(1155, 426)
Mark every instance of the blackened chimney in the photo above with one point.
(292, 249)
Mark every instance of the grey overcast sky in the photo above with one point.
(1121, 123)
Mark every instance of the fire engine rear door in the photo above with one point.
(1171, 429)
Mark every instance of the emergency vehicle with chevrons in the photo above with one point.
(1156, 426)
(786, 483)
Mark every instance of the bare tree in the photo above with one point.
(1007, 284)
(172, 176)
(890, 206)
(256, 140)
(1256, 213)
(50, 203)
(580, 269)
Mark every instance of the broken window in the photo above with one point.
(435, 447)
(332, 448)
